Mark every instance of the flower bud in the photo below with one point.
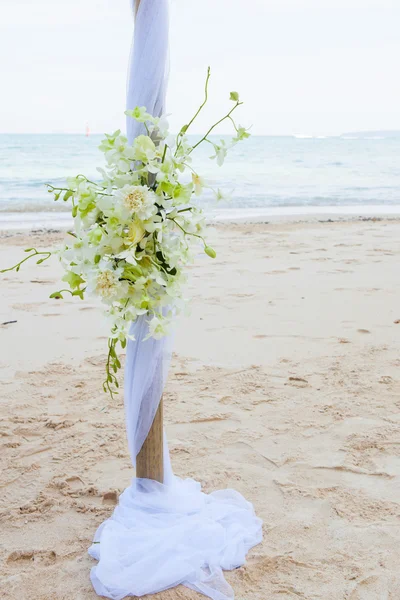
(210, 251)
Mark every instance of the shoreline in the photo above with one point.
(58, 220)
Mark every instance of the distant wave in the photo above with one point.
(301, 136)
(364, 137)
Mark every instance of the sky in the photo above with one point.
(316, 67)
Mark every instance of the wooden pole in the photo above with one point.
(150, 460)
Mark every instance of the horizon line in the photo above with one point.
(292, 135)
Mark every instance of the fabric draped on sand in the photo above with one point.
(162, 535)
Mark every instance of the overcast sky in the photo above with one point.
(302, 66)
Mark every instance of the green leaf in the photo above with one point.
(73, 280)
(56, 295)
(234, 96)
(78, 293)
(39, 262)
(97, 259)
(29, 249)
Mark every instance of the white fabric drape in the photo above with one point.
(161, 535)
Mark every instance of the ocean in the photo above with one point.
(265, 175)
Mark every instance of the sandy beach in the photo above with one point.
(284, 385)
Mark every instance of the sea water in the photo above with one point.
(264, 175)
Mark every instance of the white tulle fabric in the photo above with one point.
(162, 535)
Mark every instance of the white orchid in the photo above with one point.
(241, 134)
(158, 327)
(221, 150)
(144, 149)
(140, 114)
(198, 184)
(221, 196)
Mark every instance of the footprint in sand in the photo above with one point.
(297, 382)
(75, 487)
(386, 379)
(59, 423)
(44, 557)
(41, 504)
(28, 307)
(225, 400)
(110, 498)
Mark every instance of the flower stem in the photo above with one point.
(228, 116)
(198, 111)
(188, 232)
(35, 253)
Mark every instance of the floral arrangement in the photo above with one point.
(134, 231)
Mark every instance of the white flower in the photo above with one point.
(138, 200)
(106, 283)
(241, 134)
(134, 197)
(143, 149)
(198, 183)
(153, 224)
(140, 114)
(222, 196)
(161, 125)
(134, 232)
(182, 193)
(158, 327)
(221, 151)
